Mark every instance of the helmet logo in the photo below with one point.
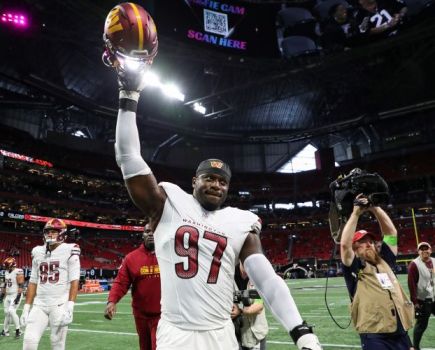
(113, 24)
(215, 164)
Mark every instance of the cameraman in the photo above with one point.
(252, 318)
(380, 310)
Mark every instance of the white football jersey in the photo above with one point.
(53, 273)
(197, 251)
(11, 281)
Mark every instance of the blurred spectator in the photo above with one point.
(340, 30)
(380, 17)
(421, 280)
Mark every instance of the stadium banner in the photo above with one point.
(76, 223)
(24, 158)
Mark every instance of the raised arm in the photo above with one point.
(389, 231)
(346, 252)
(140, 181)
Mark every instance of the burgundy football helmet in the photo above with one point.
(129, 34)
(57, 225)
(9, 263)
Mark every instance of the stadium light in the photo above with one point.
(172, 91)
(169, 89)
(15, 19)
(199, 108)
(152, 79)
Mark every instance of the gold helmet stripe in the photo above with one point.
(139, 25)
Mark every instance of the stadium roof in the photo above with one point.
(366, 94)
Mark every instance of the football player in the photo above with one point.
(52, 289)
(13, 288)
(198, 242)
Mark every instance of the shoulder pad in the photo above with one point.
(35, 251)
(75, 249)
(256, 226)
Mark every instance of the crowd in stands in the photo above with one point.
(339, 25)
(282, 244)
(95, 192)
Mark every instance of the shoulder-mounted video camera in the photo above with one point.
(343, 193)
(245, 296)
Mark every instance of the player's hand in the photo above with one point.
(110, 311)
(308, 342)
(67, 316)
(65, 319)
(25, 315)
(132, 80)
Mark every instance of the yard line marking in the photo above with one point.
(324, 345)
(329, 345)
(90, 303)
(95, 331)
(92, 294)
(100, 312)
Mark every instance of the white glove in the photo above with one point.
(67, 317)
(308, 342)
(131, 82)
(25, 315)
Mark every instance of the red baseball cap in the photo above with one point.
(361, 234)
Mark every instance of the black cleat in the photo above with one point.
(4, 334)
(17, 334)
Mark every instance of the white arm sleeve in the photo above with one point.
(73, 268)
(34, 274)
(273, 290)
(127, 146)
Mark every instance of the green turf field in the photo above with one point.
(90, 330)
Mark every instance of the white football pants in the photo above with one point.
(11, 314)
(39, 318)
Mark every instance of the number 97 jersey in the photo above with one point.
(53, 272)
(197, 251)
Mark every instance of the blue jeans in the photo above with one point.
(385, 342)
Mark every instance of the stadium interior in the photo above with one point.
(369, 106)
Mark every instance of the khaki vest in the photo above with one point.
(255, 327)
(373, 309)
(426, 280)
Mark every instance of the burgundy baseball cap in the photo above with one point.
(361, 234)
